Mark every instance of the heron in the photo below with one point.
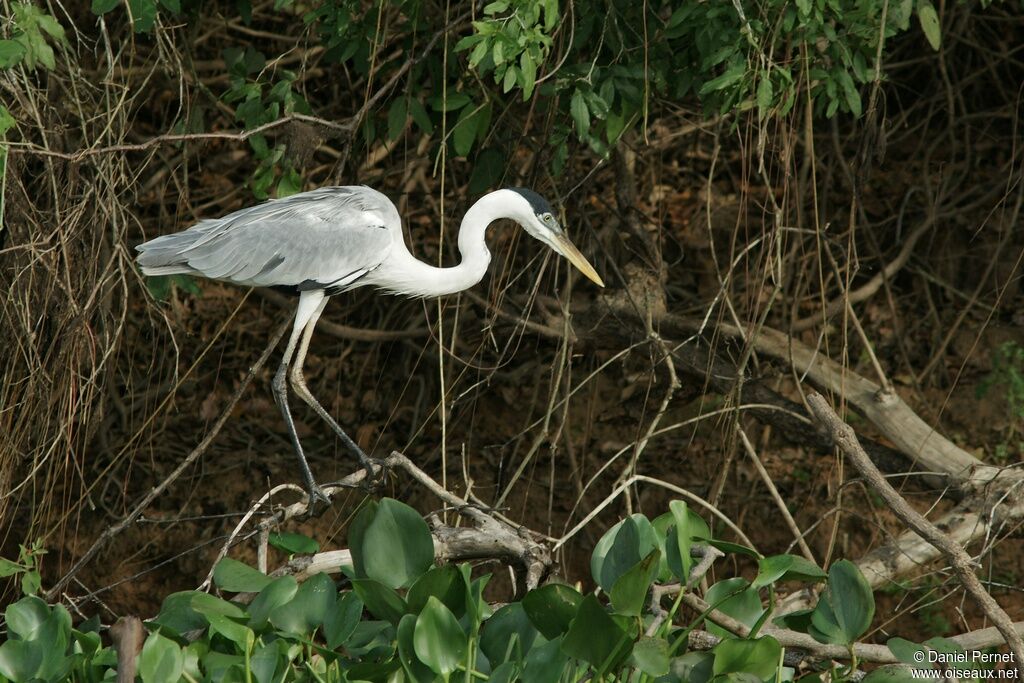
(331, 240)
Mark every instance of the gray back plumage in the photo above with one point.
(326, 238)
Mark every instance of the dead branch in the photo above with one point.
(961, 562)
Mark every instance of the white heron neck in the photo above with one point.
(421, 279)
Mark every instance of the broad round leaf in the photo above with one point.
(736, 598)
(293, 543)
(594, 637)
(238, 577)
(161, 660)
(20, 659)
(761, 658)
(629, 593)
(390, 543)
(383, 602)
(551, 608)
(305, 612)
(341, 620)
(845, 611)
(545, 663)
(650, 655)
(27, 616)
(277, 593)
(786, 568)
(622, 547)
(444, 583)
(439, 641)
(508, 635)
(414, 669)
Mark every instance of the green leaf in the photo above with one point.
(266, 660)
(694, 667)
(207, 604)
(382, 602)
(51, 26)
(173, 5)
(341, 620)
(764, 94)
(529, 73)
(761, 657)
(100, 7)
(736, 598)
(161, 660)
(907, 652)
(239, 634)
(650, 655)
(293, 543)
(508, 635)
(786, 568)
(846, 608)
(621, 548)
(552, 608)
(238, 577)
(894, 673)
(454, 100)
(20, 660)
(439, 641)
(289, 184)
(305, 612)
(545, 663)
(444, 583)
(398, 112)
(390, 543)
(733, 73)
(629, 592)
(679, 541)
(930, 24)
(143, 15)
(11, 52)
(414, 669)
(27, 617)
(276, 593)
(6, 123)
(580, 114)
(177, 614)
(487, 171)
(594, 637)
(420, 116)
(465, 131)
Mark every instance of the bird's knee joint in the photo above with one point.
(297, 379)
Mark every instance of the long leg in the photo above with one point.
(310, 302)
(303, 392)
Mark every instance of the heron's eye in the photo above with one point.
(547, 218)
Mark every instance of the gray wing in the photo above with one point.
(322, 239)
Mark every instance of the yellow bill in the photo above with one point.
(569, 251)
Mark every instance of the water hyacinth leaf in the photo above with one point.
(27, 616)
(545, 663)
(679, 541)
(907, 652)
(238, 577)
(736, 598)
(510, 629)
(594, 637)
(846, 608)
(629, 593)
(416, 670)
(444, 583)
(505, 673)
(207, 604)
(390, 543)
(305, 612)
(341, 620)
(693, 667)
(20, 660)
(551, 608)
(177, 614)
(761, 658)
(621, 548)
(239, 634)
(161, 660)
(265, 661)
(650, 655)
(276, 593)
(439, 641)
(382, 602)
(293, 543)
(786, 568)
(894, 673)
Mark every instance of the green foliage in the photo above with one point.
(27, 567)
(408, 620)
(32, 32)
(590, 70)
